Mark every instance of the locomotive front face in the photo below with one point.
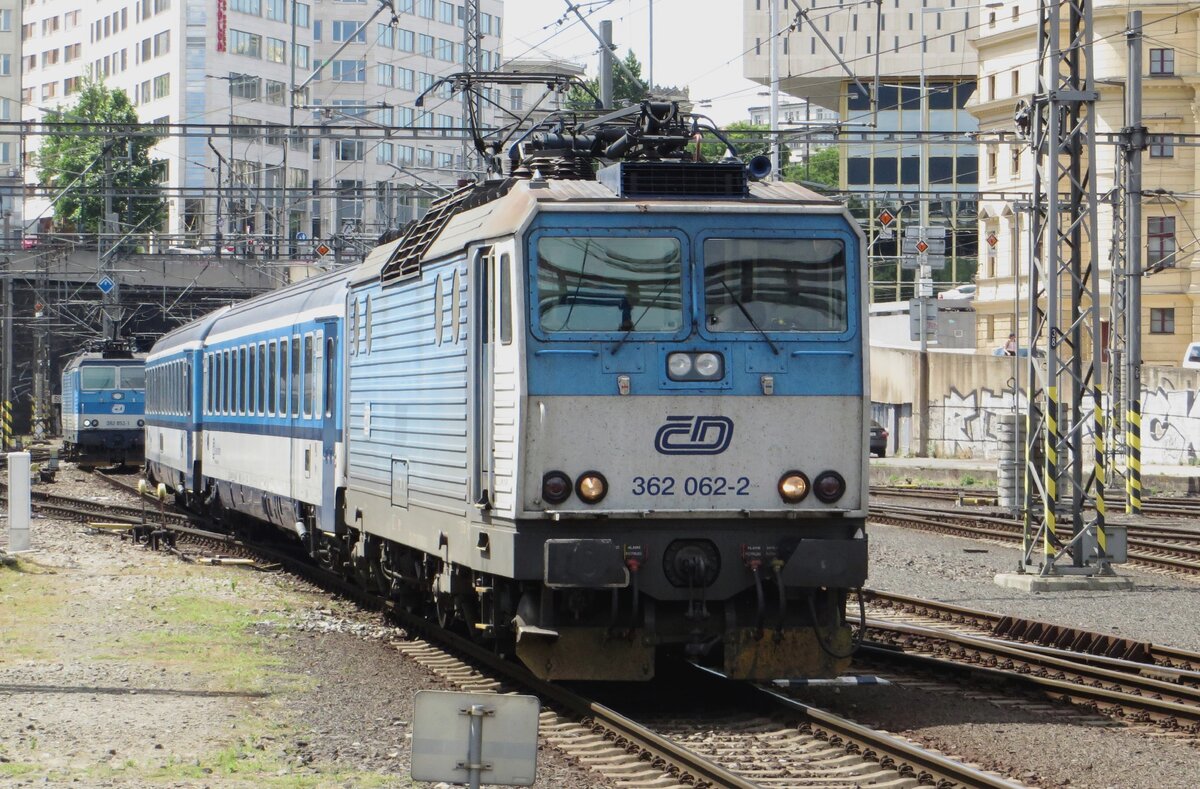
(695, 430)
(695, 370)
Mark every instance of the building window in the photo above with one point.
(517, 99)
(242, 43)
(1162, 146)
(1162, 62)
(247, 6)
(347, 30)
(1162, 320)
(276, 50)
(162, 86)
(277, 10)
(992, 165)
(1160, 241)
(349, 70)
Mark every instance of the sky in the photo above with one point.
(695, 44)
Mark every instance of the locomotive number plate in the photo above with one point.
(691, 486)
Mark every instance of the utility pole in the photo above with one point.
(1064, 303)
(110, 304)
(606, 57)
(1131, 165)
(6, 432)
(472, 107)
(773, 42)
(924, 289)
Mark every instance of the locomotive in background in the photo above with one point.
(103, 405)
(589, 418)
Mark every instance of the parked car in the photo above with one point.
(1191, 357)
(961, 292)
(879, 439)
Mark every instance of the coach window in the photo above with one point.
(330, 375)
(227, 389)
(775, 285)
(282, 383)
(187, 388)
(609, 284)
(315, 380)
(260, 383)
(454, 308)
(251, 382)
(217, 383)
(505, 301)
(353, 333)
(272, 366)
(241, 380)
(207, 382)
(306, 405)
(295, 378)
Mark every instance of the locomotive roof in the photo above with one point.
(511, 212)
(95, 357)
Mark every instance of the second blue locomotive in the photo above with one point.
(103, 405)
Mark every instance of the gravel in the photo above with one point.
(130, 668)
(961, 571)
(1041, 744)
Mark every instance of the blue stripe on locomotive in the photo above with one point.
(811, 363)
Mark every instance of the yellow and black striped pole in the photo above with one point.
(1098, 431)
(1133, 461)
(1051, 476)
(6, 429)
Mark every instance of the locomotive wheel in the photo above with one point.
(444, 610)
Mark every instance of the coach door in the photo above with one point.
(326, 405)
(479, 283)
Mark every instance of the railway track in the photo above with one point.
(1164, 506)
(1152, 548)
(759, 738)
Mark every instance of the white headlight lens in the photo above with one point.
(679, 365)
(708, 365)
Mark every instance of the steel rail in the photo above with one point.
(1164, 712)
(1079, 641)
(1164, 555)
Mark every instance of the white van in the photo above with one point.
(1191, 357)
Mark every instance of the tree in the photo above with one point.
(822, 167)
(750, 140)
(626, 92)
(72, 164)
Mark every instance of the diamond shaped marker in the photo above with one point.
(106, 285)
(322, 250)
(885, 217)
(922, 246)
(992, 241)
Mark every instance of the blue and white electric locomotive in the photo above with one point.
(592, 421)
(103, 394)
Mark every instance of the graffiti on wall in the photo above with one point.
(965, 424)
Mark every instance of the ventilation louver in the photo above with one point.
(676, 179)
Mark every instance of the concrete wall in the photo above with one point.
(967, 394)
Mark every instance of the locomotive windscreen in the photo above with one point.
(776, 285)
(609, 284)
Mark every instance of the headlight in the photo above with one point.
(591, 486)
(141, 423)
(118, 395)
(830, 486)
(556, 487)
(695, 366)
(793, 487)
(708, 365)
(679, 365)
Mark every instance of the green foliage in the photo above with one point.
(750, 140)
(822, 167)
(74, 162)
(625, 91)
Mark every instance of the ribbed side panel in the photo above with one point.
(415, 392)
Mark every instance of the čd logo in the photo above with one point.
(694, 435)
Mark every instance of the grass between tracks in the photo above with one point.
(151, 673)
